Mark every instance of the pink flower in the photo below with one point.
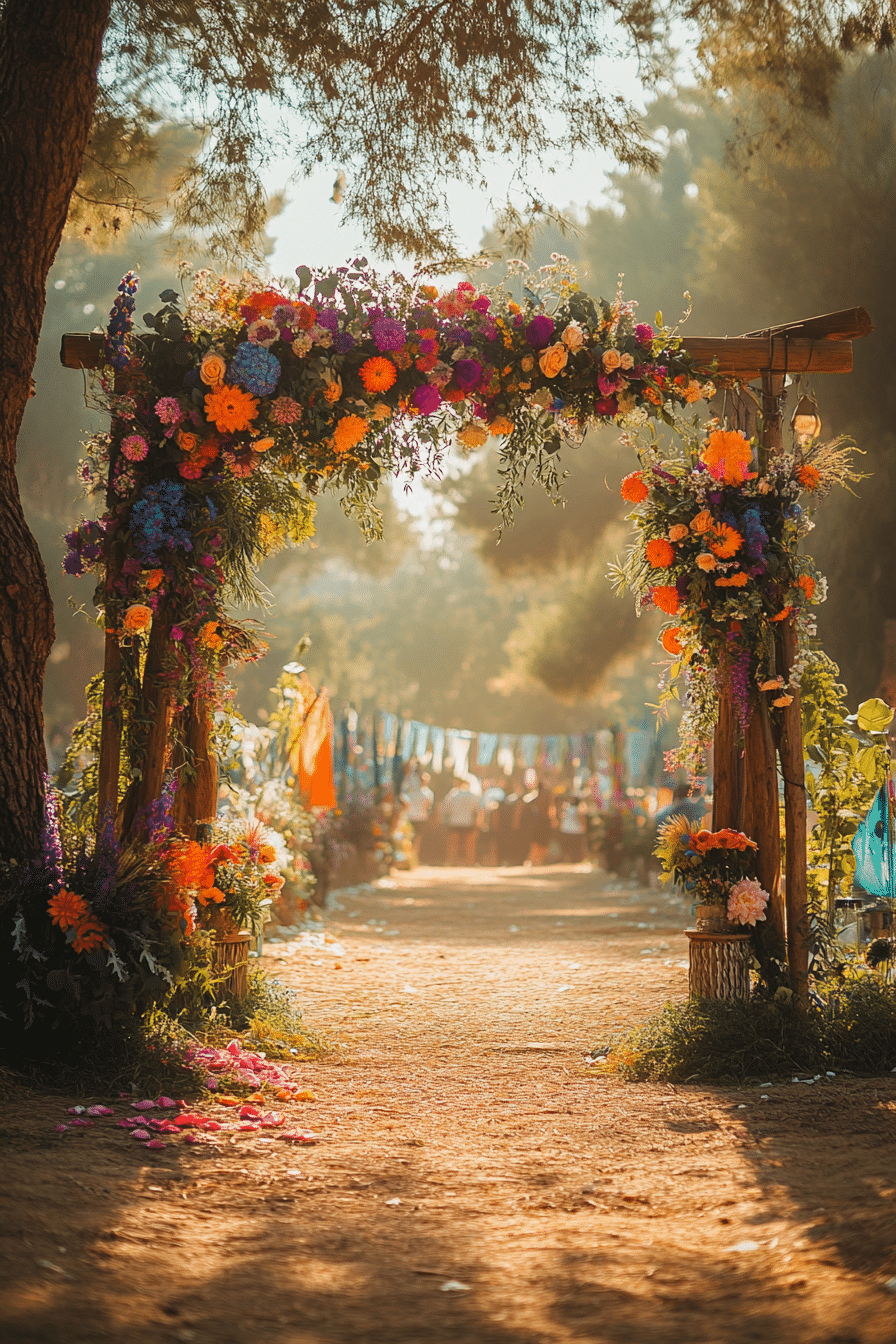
(134, 447)
(168, 410)
(176, 632)
(285, 411)
(747, 901)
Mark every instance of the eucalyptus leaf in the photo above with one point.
(303, 276)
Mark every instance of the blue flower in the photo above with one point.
(255, 368)
(160, 521)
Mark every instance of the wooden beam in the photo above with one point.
(747, 357)
(82, 351)
(848, 325)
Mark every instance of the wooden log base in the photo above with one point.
(231, 954)
(719, 965)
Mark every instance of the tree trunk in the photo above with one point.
(49, 54)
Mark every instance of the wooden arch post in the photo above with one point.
(746, 777)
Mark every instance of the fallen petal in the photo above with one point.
(143, 1105)
(156, 1143)
(140, 1134)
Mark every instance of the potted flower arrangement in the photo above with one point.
(717, 868)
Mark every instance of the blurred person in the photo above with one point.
(418, 799)
(492, 798)
(684, 804)
(460, 815)
(537, 825)
(507, 827)
(571, 830)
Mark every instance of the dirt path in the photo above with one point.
(464, 1140)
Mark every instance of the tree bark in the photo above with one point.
(49, 54)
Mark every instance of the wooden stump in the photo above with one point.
(231, 954)
(719, 965)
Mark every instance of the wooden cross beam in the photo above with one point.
(813, 345)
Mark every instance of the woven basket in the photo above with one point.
(231, 954)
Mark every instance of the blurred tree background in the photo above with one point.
(440, 622)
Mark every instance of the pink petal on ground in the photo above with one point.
(168, 1127)
(247, 1125)
(156, 1143)
(213, 1126)
(140, 1134)
(192, 1138)
(166, 1103)
(75, 1110)
(61, 1128)
(143, 1105)
(249, 1113)
(272, 1120)
(127, 1124)
(79, 1121)
(100, 1110)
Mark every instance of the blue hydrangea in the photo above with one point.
(255, 369)
(755, 535)
(160, 521)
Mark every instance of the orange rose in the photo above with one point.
(678, 532)
(706, 562)
(213, 369)
(553, 359)
(137, 618)
(611, 360)
(187, 442)
(702, 522)
(573, 337)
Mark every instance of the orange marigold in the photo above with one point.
(378, 374)
(210, 636)
(782, 615)
(349, 432)
(809, 477)
(501, 425)
(188, 862)
(671, 642)
(807, 583)
(660, 553)
(725, 541)
(231, 409)
(88, 935)
(67, 908)
(738, 580)
(666, 599)
(727, 456)
(634, 488)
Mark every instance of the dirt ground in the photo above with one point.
(463, 1141)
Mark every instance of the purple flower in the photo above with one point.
(482, 304)
(643, 333)
(329, 318)
(176, 632)
(343, 341)
(539, 331)
(427, 398)
(458, 336)
(72, 564)
(388, 334)
(468, 374)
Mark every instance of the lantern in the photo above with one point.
(806, 422)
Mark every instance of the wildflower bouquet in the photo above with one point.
(232, 880)
(714, 867)
(716, 551)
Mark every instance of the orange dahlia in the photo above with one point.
(671, 642)
(809, 477)
(660, 553)
(67, 909)
(807, 583)
(666, 599)
(634, 488)
(727, 456)
(378, 374)
(230, 409)
(725, 542)
(349, 432)
(89, 934)
(738, 580)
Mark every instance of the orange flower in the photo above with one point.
(678, 532)
(702, 522)
(305, 315)
(807, 583)
(725, 541)
(653, 396)
(634, 488)
(666, 599)
(809, 477)
(261, 445)
(274, 881)
(501, 425)
(671, 642)
(153, 579)
(378, 374)
(267, 854)
(213, 369)
(187, 442)
(738, 580)
(660, 554)
(188, 862)
(88, 935)
(264, 301)
(206, 894)
(349, 432)
(137, 618)
(727, 455)
(783, 701)
(230, 408)
(66, 909)
(706, 562)
(210, 636)
(782, 615)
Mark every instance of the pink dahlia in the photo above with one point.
(747, 901)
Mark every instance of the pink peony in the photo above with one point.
(747, 901)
